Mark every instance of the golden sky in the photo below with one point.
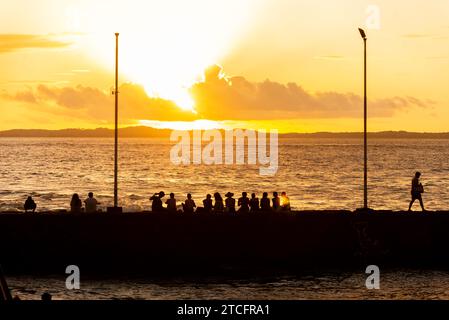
(292, 65)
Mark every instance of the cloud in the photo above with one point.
(216, 98)
(21, 96)
(94, 104)
(221, 98)
(14, 42)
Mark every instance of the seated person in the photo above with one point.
(189, 205)
(243, 202)
(218, 206)
(285, 202)
(30, 204)
(91, 203)
(276, 202)
(207, 203)
(171, 203)
(230, 202)
(75, 204)
(265, 202)
(156, 205)
(254, 203)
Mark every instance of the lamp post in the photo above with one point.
(365, 150)
(116, 208)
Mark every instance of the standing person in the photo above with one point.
(218, 205)
(91, 203)
(230, 202)
(207, 203)
(243, 202)
(285, 202)
(171, 203)
(254, 203)
(189, 205)
(265, 202)
(417, 190)
(29, 205)
(75, 204)
(156, 205)
(276, 202)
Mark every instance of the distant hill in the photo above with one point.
(131, 132)
(375, 135)
(147, 132)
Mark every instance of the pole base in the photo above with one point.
(364, 210)
(114, 210)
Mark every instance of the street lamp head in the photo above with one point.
(362, 33)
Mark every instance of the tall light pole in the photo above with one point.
(116, 208)
(365, 149)
(116, 125)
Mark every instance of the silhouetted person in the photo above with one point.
(207, 203)
(254, 203)
(189, 205)
(417, 190)
(265, 202)
(46, 296)
(285, 202)
(230, 202)
(75, 204)
(276, 202)
(156, 205)
(30, 204)
(243, 202)
(218, 205)
(91, 203)
(171, 203)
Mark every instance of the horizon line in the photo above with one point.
(168, 129)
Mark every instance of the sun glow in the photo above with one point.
(184, 125)
(164, 45)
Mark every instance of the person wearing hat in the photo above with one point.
(230, 202)
(156, 205)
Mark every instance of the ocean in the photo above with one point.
(394, 284)
(315, 173)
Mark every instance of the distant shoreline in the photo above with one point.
(147, 132)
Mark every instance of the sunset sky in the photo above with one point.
(291, 65)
